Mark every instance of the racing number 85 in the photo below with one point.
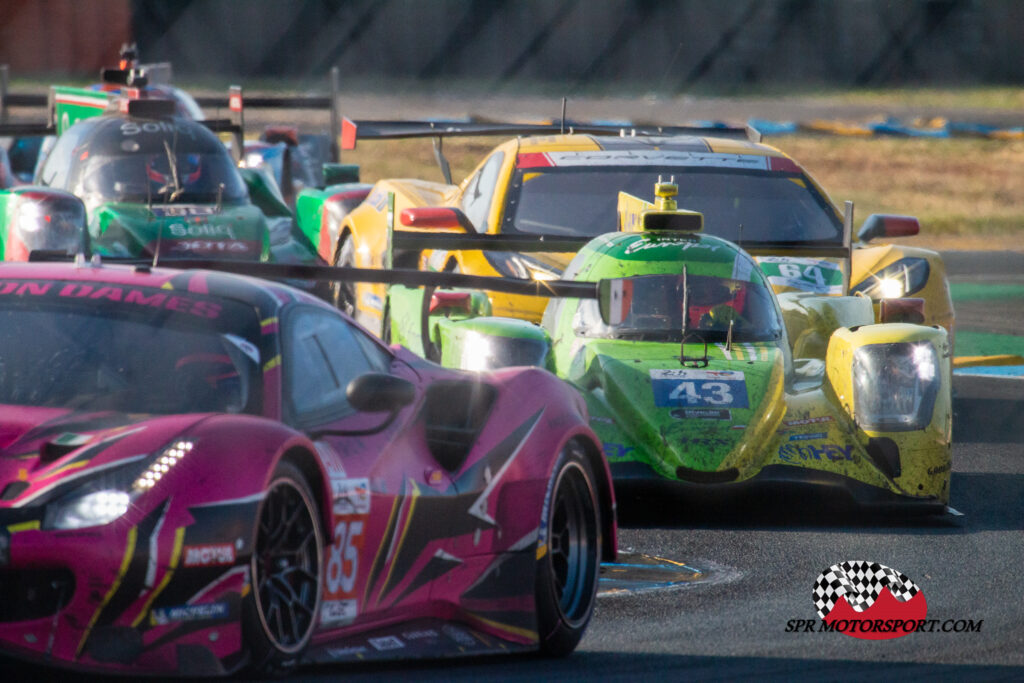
(344, 562)
(713, 393)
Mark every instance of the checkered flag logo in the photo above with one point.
(861, 583)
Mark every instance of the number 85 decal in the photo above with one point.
(344, 560)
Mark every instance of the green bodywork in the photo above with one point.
(133, 230)
(658, 432)
(313, 204)
(619, 378)
(72, 105)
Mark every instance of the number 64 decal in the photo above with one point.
(688, 388)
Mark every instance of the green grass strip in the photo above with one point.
(972, 291)
(988, 344)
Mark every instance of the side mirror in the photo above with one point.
(886, 225)
(336, 174)
(614, 297)
(377, 392)
(436, 217)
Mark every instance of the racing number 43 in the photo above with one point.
(713, 393)
(344, 561)
(694, 387)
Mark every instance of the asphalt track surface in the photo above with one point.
(760, 558)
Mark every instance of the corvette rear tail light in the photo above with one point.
(895, 386)
(783, 165)
(901, 311)
(450, 300)
(430, 217)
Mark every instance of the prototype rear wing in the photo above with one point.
(397, 276)
(67, 106)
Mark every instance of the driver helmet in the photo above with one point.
(208, 382)
(189, 169)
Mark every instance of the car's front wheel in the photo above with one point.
(569, 554)
(343, 294)
(281, 611)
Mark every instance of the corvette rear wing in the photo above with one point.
(353, 130)
(376, 129)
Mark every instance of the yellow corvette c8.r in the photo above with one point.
(567, 185)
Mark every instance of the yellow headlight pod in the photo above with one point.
(892, 377)
(906, 348)
(908, 434)
(895, 386)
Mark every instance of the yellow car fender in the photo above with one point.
(938, 304)
(920, 455)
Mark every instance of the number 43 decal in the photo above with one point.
(689, 388)
(700, 393)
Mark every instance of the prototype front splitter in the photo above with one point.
(632, 479)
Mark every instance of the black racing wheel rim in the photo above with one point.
(343, 294)
(286, 566)
(572, 544)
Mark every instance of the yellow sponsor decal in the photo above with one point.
(129, 550)
(516, 630)
(179, 537)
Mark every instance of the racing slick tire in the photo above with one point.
(280, 613)
(385, 324)
(343, 294)
(569, 553)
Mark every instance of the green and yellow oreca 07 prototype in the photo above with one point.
(696, 372)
